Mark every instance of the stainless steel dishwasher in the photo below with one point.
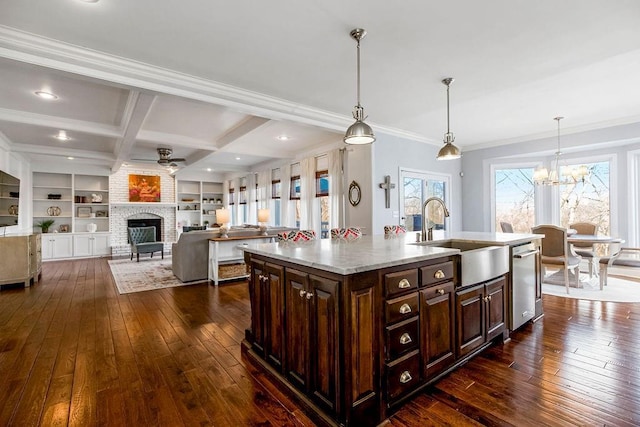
(523, 288)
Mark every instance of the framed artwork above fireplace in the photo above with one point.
(144, 188)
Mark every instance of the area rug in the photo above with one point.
(146, 275)
(618, 289)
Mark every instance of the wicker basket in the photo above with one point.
(227, 271)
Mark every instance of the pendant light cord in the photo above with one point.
(448, 129)
(358, 71)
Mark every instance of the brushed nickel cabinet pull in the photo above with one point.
(309, 295)
(440, 291)
(405, 308)
(404, 284)
(405, 338)
(302, 293)
(405, 377)
(439, 274)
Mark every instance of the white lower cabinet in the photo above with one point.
(57, 245)
(91, 244)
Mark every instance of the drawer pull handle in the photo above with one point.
(405, 308)
(309, 295)
(439, 274)
(487, 298)
(405, 338)
(404, 284)
(405, 377)
(440, 291)
(302, 293)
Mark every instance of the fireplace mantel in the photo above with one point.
(146, 204)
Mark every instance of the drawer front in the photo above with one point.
(436, 273)
(403, 375)
(438, 290)
(401, 338)
(401, 281)
(401, 308)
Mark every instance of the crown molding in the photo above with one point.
(31, 48)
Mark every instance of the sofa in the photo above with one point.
(190, 254)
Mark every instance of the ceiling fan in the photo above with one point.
(165, 158)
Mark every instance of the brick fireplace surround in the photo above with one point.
(121, 209)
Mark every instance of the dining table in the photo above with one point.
(594, 239)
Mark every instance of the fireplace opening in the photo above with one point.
(147, 222)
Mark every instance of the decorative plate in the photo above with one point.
(53, 211)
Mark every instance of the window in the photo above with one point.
(416, 188)
(588, 200)
(295, 188)
(322, 193)
(276, 193)
(515, 198)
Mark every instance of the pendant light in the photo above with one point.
(359, 133)
(449, 151)
(556, 176)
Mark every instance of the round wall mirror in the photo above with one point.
(354, 193)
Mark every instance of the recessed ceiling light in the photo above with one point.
(70, 158)
(283, 138)
(208, 169)
(45, 95)
(62, 136)
(237, 158)
(90, 1)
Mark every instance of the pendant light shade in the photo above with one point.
(359, 133)
(449, 151)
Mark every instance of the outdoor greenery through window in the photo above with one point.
(588, 201)
(515, 202)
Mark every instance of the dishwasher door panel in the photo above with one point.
(523, 278)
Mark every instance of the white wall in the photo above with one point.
(358, 169)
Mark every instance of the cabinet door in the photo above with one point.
(324, 357)
(274, 311)
(496, 303)
(437, 306)
(297, 328)
(56, 246)
(257, 297)
(101, 244)
(82, 245)
(470, 308)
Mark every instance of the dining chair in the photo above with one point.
(619, 257)
(556, 252)
(506, 227)
(586, 250)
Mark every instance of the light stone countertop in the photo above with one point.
(373, 252)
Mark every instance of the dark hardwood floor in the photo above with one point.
(75, 352)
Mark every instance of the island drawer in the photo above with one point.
(403, 375)
(401, 338)
(436, 273)
(401, 281)
(401, 308)
(438, 290)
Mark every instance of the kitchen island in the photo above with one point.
(354, 328)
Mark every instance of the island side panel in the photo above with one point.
(362, 296)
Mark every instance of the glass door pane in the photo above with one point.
(416, 188)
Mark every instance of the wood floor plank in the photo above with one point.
(73, 351)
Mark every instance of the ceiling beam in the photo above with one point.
(245, 126)
(55, 151)
(138, 107)
(42, 120)
(173, 140)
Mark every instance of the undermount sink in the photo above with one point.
(479, 262)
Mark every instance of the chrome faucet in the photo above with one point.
(429, 236)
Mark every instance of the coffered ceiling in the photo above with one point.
(219, 82)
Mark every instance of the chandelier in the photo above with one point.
(560, 175)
